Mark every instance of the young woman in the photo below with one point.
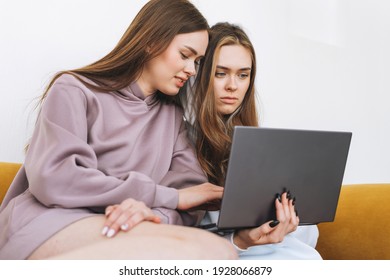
(112, 133)
(224, 96)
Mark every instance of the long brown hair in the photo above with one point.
(149, 34)
(213, 131)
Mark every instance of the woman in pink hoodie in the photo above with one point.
(112, 134)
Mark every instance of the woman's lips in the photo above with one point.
(180, 82)
(229, 100)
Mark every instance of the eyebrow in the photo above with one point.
(192, 50)
(241, 69)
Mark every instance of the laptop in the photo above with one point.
(266, 161)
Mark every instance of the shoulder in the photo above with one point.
(71, 81)
(74, 84)
(69, 89)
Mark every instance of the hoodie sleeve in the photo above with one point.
(184, 172)
(62, 169)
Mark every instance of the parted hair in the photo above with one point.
(212, 130)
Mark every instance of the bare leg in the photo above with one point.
(83, 240)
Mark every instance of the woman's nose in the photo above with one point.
(190, 69)
(231, 85)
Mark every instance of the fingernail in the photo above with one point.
(296, 213)
(124, 227)
(104, 231)
(110, 233)
(274, 223)
(288, 195)
(278, 197)
(293, 200)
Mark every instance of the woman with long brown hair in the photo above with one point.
(224, 97)
(109, 162)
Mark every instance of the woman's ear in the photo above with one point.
(150, 48)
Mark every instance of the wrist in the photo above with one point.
(238, 242)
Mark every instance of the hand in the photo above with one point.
(272, 231)
(201, 197)
(126, 215)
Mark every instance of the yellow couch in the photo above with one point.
(361, 229)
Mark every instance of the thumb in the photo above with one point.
(273, 223)
(265, 229)
(154, 219)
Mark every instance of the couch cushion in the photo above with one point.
(361, 230)
(8, 171)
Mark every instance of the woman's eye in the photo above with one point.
(243, 75)
(183, 56)
(220, 74)
(198, 61)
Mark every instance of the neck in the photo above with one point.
(145, 86)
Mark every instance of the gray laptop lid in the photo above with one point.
(266, 161)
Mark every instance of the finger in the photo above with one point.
(121, 223)
(111, 213)
(132, 209)
(291, 206)
(285, 199)
(213, 187)
(139, 216)
(140, 211)
(273, 224)
(215, 193)
(109, 209)
(264, 233)
(293, 201)
(116, 218)
(286, 205)
(295, 218)
(291, 222)
(212, 190)
(278, 233)
(283, 215)
(153, 218)
(293, 210)
(280, 210)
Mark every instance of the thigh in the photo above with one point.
(290, 248)
(78, 234)
(307, 234)
(145, 247)
(83, 240)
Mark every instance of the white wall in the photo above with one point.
(323, 64)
